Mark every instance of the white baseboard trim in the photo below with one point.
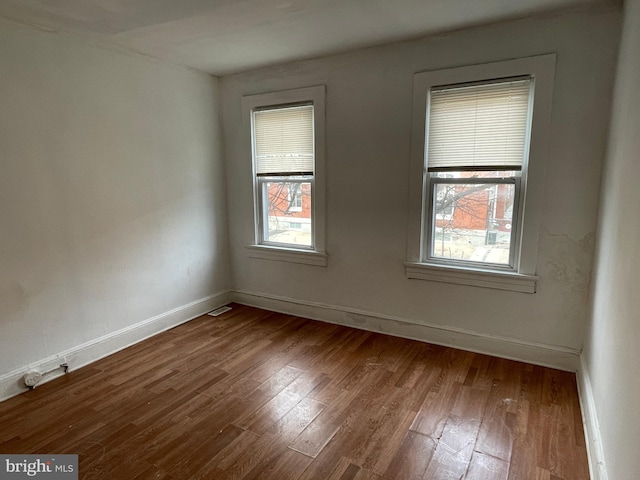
(529, 352)
(11, 383)
(595, 452)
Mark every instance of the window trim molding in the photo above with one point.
(506, 280)
(542, 67)
(315, 95)
(291, 255)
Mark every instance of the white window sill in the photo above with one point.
(515, 282)
(291, 255)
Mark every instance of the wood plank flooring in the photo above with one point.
(259, 395)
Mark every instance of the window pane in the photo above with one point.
(288, 212)
(483, 125)
(473, 222)
(283, 139)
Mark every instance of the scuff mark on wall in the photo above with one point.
(14, 300)
(568, 262)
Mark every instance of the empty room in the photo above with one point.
(319, 239)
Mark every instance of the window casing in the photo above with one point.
(469, 186)
(287, 150)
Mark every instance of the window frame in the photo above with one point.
(520, 276)
(268, 250)
(431, 217)
(263, 209)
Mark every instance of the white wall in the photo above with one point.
(612, 353)
(112, 207)
(369, 104)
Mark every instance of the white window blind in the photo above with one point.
(479, 126)
(284, 140)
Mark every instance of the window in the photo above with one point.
(286, 132)
(284, 163)
(480, 134)
(476, 152)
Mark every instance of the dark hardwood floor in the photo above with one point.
(259, 395)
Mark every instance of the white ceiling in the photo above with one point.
(227, 36)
